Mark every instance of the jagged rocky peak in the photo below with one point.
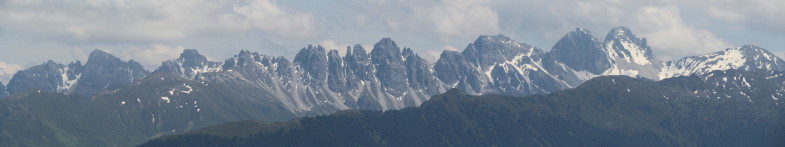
(247, 58)
(241, 59)
(491, 39)
(452, 67)
(338, 80)
(755, 52)
(103, 59)
(356, 52)
(620, 33)
(193, 56)
(489, 50)
(49, 76)
(103, 70)
(407, 52)
(356, 55)
(3, 90)
(313, 60)
(99, 56)
(357, 62)
(386, 50)
(622, 43)
(580, 33)
(386, 43)
(245, 53)
(388, 65)
(746, 57)
(189, 65)
(579, 50)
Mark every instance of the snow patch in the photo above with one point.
(189, 89)
(165, 99)
(722, 60)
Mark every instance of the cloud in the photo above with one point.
(330, 45)
(672, 37)
(725, 15)
(759, 15)
(433, 55)
(7, 70)
(452, 48)
(674, 28)
(88, 21)
(462, 18)
(152, 56)
(266, 16)
(668, 32)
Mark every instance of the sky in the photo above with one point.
(151, 31)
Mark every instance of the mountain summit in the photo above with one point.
(622, 53)
(101, 71)
(746, 57)
(189, 65)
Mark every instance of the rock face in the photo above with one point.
(101, 71)
(49, 76)
(497, 65)
(579, 50)
(621, 53)
(189, 65)
(320, 81)
(3, 90)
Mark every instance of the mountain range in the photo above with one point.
(191, 92)
(604, 111)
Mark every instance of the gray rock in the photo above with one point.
(387, 59)
(337, 78)
(49, 76)
(189, 65)
(313, 60)
(3, 90)
(581, 52)
(103, 70)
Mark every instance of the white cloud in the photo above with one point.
(266, 16)
(152, 56)
(7, 70)
(330, 45)
(669, 34)
(760, 15)
(724, 14)
(452, 48)
(671, 37)
(673, 27)
(461, 19)
(433, 55)
(89, 21)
